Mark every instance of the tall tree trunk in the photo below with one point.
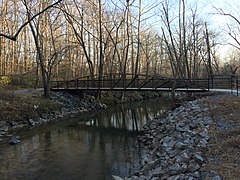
(138, 38)
(210, 72)
(4, 44)
(46, 81)
(128, 39)
(100, 76)
(184, 42)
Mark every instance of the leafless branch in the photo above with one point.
(14, 37)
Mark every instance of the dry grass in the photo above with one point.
(224, 148)
(19, 107)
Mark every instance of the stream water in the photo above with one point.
(92, 146)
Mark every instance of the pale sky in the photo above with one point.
(206, 10)
(220, 22)
(230, 6)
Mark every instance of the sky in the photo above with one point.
(210, 6)
(207, 10)
(219, 22)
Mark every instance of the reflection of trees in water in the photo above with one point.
(117, 149)
(129, 117)
(70, 147)
(134, 120)
(113, 149)
(107, 148)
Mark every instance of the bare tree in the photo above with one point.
(29, 22)
(14, 37)
(210, 71)
(138, 37)
(45, 64)
(79, 29)
(232, 32)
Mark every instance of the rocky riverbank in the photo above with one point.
(176, 145)
(35, 114)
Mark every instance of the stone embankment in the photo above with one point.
(175, 146)
(70, 105)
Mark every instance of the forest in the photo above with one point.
(61, 40)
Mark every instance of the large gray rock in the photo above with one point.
(198, 158)
(183, 157)
(176, 177)
(36, 121)
(116, 178)
(204, 134)
(31, 122)
(64, 111)
(179, 141)
(58, 114)
(99, 106)
(2, 133)
(193, 166)
(217, 177)
(44, 116)
(180, 146)
(175, 169)
(14, 140)
(2, 123)
(158, 172)
(74, 111)
(4, 128)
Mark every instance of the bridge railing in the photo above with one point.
(221, 82)
(140, 82)
(200, 83)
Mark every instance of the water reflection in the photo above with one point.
(85, 147)
(128, 117)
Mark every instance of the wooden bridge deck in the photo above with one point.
(144, 83)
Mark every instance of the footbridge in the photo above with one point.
(118, 82)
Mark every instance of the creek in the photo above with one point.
(94, 145)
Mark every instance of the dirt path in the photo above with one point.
(38, 91)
